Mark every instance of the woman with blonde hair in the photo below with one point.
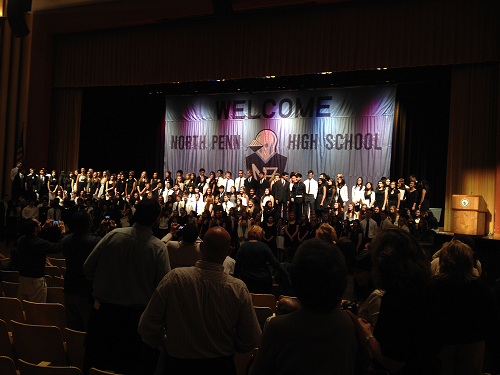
(104, 182)
(251, 263)
(326, 233)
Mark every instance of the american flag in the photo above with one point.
(20, 148)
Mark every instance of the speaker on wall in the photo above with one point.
(16, 14)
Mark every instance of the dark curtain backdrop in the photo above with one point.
(122, 130)
(420, 139)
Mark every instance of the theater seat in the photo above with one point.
(30, 369)
(45, 314)
(35, 344)
(7, 366)
(262, 314)
(264, 300)
(11, 309)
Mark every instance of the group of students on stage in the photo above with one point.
(235, 203)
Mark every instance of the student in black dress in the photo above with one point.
(94, 185)
(313, 227)
(346, 229)
(232, 227)
(412, 197)
(356, 235)
(154, 185)
(291, 232)
(270, 232)
(380, 196)
(168, 177)
(130, 186)
(336, 224)
(392, 195)
(321, 197)
(331, 191)
(111, 186)
(53, 185)
(304, 228)
(204, 223)
(268, 211)
(120, 185)
(425, 196)
(143, 180)
(81, 181)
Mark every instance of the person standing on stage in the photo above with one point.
(251, 182)
(310, 194)
(281, 194)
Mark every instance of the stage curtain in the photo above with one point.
(472, 138)
(356, 35)
(64, 136)
(14, 73)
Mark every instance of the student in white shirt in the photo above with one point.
(239, 182)
(358, 194)
(226, 206)
(227, 182)
(342, 189)
(310, 196)
(198, 204)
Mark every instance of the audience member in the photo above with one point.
(32, 251)
(200, 316)
(467, 312)
(125, 268)
(403, 341)
(76, 248)
(318, 337)
(251, 263)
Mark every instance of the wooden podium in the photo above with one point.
(469, 215)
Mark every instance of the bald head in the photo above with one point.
(287, 305)
(216, 245)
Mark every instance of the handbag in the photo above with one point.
(366, 361)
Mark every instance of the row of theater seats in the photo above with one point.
(8, 367)
(36, 335)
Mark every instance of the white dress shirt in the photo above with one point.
(311, 187)
(198, 206)
(227, 183)
(166, 193)
(372, 229)
(226, 206)
(344, 194)
(238, 183)
(357, 194)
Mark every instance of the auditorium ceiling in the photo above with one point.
(98, 14)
